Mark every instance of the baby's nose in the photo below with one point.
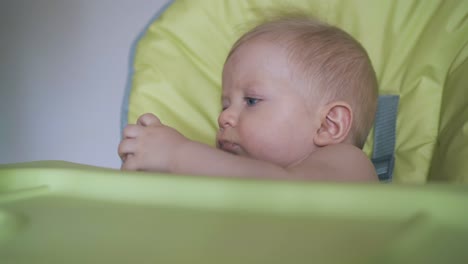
(228, 117)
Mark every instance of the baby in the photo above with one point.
(299, 98)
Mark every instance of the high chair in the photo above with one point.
(61, 212)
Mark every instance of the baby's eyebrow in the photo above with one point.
(255, 86)
(253, 90)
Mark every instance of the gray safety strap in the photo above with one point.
(383, 155)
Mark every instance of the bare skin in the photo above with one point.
(268, 129)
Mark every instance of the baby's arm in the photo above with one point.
(332, 163)
(152, 146)
(155, 147)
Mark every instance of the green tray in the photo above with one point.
(59, 212)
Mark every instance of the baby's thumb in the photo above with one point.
(148, 119)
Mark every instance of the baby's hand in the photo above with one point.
(149, 145)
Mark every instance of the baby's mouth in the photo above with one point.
(230, 147)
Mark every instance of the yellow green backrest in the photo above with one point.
(418, 48)
(450, 161)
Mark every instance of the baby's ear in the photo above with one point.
(336, 119)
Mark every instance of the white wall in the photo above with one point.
(63, 71)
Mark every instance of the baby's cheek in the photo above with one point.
(256, 144)
(268, 148)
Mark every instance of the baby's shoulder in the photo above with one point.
(343, 162)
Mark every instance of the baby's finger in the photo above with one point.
(131, 131)
(127, 147)
(148, 119)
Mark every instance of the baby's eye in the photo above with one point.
(251, 101)
(224, 105)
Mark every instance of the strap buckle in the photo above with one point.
(384, 167)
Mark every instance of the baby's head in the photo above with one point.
(292, 85)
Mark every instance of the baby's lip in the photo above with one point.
(229, 146)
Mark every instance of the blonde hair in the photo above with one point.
(329, 58)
